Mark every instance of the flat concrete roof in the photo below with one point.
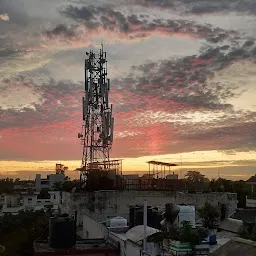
(85, 246)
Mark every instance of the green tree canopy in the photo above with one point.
(209, 214)
(195, 177)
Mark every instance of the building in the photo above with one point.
(172, 176)
(231, 225)
(98, 247)
(24, 187)
(14, 203)
(2, 200)
(251, 199)
(129, 241)
(48, 182)
(252, 182)
(105, 204)
(247, 214)
(236, 247)
(131, 181)
(63, 241)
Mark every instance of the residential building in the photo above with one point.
(49, 182)
(252, 182)
(14, 203)
(106, 204)
(251, 198)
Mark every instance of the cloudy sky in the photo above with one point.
(182, 82)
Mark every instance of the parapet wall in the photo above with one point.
(101, 205)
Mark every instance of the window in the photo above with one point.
(29, 200)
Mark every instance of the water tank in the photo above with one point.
(118, 222)
(154, 218)
(187, 213)
(131, 216)
(136, 215)
(62, 232)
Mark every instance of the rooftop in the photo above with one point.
(161, 163)
(245, 214)
(231, 225)
(252, 179)
(237, 247)
(136, 233)
(85, 246)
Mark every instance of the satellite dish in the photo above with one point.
(83, 185)
(73, 190)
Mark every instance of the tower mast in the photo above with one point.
(97, 129)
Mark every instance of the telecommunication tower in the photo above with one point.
(97, 129)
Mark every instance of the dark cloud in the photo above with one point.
(180, 84)
(151, 104)
(84, 13)
(232, 136)
(186, 80)
(204, 7)
(52, 106)
(200, 6)
(133, 26)
(63, 31)
(5, 53)
(94, 17)
(145, 105)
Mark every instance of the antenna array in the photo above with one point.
(98, 123)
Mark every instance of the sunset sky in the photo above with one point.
(183, 83)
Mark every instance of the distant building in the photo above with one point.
(131, 181)
(252, 182)
(172, 176)
(251, 199)
(2, 199)
(14, 203)
(24, 187)
(48, 183)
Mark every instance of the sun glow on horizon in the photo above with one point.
(207, 162)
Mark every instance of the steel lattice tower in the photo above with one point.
(98, 123)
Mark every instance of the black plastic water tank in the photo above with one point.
(131, 216)
(138, 216)
(62, 232)
(154, 219)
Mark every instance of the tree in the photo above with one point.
(17, 232)
(188, 235)
(209, 214)
(195, 177)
